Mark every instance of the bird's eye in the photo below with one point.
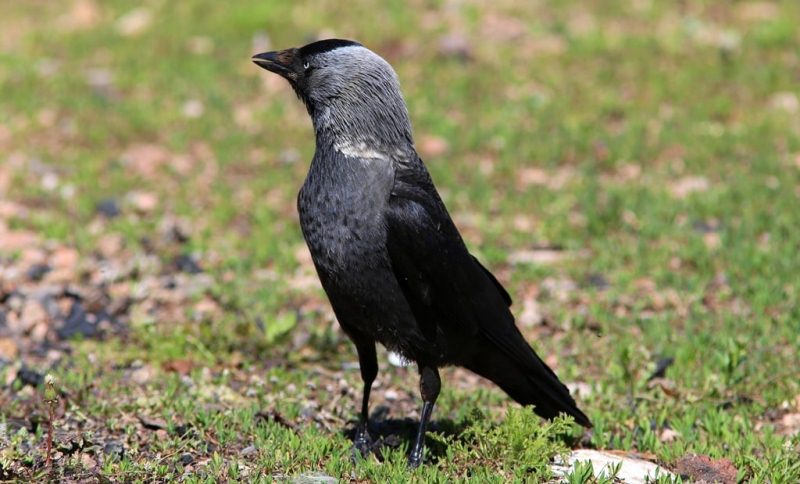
(306, 65)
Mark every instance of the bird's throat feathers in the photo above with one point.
(362, 130)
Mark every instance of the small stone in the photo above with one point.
(29, 377)
(37, 271)
(702, 468)
(108, 208)
(49, 181)
(314, 478)
(110, 245)
(455, 45)
(100, 79)
(186, 459)
(531, 313)
(143, 375)
(712, 240)
(683, 187)
(193, 109)
(598, 281)
(39, 332)
(187, 263)
(114, 449)
(64, 258)
(144, 202)
(785, 101)
(668, 435)
(87, 461)
(249, 450)
(631, 470)
(32, 314)
(79, 321)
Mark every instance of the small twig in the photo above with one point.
(51, 400)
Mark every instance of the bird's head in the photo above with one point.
(351, 93)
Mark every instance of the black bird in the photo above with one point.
(388, 255)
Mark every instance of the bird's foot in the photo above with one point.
(415, 458)
(362, 444)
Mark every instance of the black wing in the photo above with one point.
(446, 286)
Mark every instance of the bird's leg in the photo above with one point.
(368, 362)
(429, 386)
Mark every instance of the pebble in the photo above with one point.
(114, 449)
(108, 208)
(314, 478)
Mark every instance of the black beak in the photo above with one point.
(280, 62)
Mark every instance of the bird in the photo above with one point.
(388, 255)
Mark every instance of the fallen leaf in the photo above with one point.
(134, 22)
(8, 349)
(181, 367)
(667, 386)
(274, 416)
(87, 461)
(152, 423)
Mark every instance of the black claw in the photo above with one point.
(362, 444)
(415, 460)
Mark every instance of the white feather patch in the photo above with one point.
(359, 150)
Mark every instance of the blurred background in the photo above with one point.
(629, 168)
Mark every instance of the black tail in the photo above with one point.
(533, 383)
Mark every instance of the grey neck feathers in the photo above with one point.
(366, 116)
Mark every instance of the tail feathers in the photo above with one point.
(532, 384)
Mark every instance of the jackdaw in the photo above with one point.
(388, 255)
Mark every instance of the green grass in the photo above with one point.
(574, 124)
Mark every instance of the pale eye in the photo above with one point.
(306, 65)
